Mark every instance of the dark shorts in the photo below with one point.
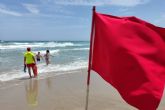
(31, 65)
(38, 59)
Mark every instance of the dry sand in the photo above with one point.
(62, 92)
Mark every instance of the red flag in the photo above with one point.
(129, 53)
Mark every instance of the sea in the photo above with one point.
(66, 56)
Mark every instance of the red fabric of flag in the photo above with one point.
(129, 53)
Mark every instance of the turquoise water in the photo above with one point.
(67, 56)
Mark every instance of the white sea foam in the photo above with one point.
(81, 49)
(34, 45)
(77, 49)
(56, 44)
(19, 43)
(18, 46)
(52, 52)
(58, 50)
(65, 67)
(12, 75)
(43, 69)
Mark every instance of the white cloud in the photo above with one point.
(123, 10)
(5, 10)
(32, 8)
(126, 3)
(78, 2)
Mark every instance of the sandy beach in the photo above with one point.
(123, 40)
(63, 92)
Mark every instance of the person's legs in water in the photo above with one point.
(47, 61)
(25, 68)
(29, 71)
(35, 72)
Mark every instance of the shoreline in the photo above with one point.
(63, 92)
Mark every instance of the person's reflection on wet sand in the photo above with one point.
(32, 92)
(48, 81)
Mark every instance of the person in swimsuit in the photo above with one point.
(38, 57)
(47, 57)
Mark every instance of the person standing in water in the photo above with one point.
(47, 57)
(30, 62)
(38, 57)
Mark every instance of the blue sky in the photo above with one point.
(68, 19)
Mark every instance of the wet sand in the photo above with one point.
(62, 92)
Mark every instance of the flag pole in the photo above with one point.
(90, 57)
(91, 46)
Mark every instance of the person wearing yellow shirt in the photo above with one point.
(29, 61)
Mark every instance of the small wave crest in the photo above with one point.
(36, 45)
(44, 51)
(56, 44)
(76, 49)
